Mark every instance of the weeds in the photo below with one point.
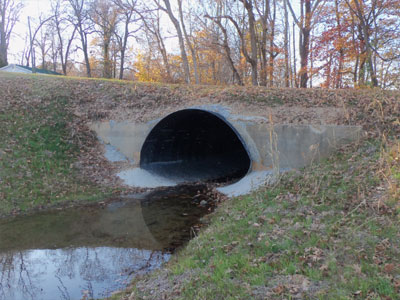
(318, 234)
(37, 158)
(329, 232)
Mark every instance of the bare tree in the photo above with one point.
(189, 44)
(80, 19)
(338, 79)
(168, 9)
(9, 13)
(105, 15)
(266, 10)
(227, 49)
(53, 51)
(24, 60)
(32, 38)
(273, 53)
(365, 23)
(65, 32)
(253, 59)
(42, 42)
(152, 26)
(263, 8)
(286, 43)
(305, 23)
(128, 9)
(296, 81)
(368, 16)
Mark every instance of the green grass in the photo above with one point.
(37, 158)
(323, 228)
(315, 235)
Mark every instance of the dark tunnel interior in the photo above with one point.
(195, 145)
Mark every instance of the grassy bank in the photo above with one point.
(329, 232)
(39, 151)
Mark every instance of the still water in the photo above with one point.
(89, 252)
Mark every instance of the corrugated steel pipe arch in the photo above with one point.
(195, 145)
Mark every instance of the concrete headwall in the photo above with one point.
(269, 146)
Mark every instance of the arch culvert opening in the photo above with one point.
(195, 145)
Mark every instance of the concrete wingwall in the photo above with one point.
(283, 146)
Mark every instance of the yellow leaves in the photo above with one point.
(147, 68)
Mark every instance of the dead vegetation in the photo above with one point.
(94, 100)
(331, 231)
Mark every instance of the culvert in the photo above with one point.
(195, 145)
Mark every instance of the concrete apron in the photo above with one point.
(272, 148)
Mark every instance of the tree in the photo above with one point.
(308, 10)
(65, 32)
(105, 15)
(286, 44)
(127, 10)
(42, 42)
(189, 44)
(32, 38)
(378, 24)
(227, 49)
(79, 18)
(9, 14)
(168, 9)
(253, 58)
(152, 26)
(365, 22)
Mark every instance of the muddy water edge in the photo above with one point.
(89, 252)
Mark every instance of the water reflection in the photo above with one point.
(88, 253)
(72, 273)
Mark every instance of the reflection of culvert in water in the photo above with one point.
(192, 145)
(172, 214)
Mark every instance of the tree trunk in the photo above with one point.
(164, 55)
(305, 43)
(122, 63)
(227, 50)
(80, 14)
(65, 64)
(85, 53)
(328, 73)
(175, 22)
(107, 71)
(9, 14)
(366, 35)
(3, 42)
(304, 51)
(286, 44)
(251, 59)
(31, 38)
(263, 13)
(253, 41)
(156, 32)
(338, 77)
(123, 48)
(296, 83)
(188, 42)
(272, 54)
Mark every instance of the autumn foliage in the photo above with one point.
(274, 43)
